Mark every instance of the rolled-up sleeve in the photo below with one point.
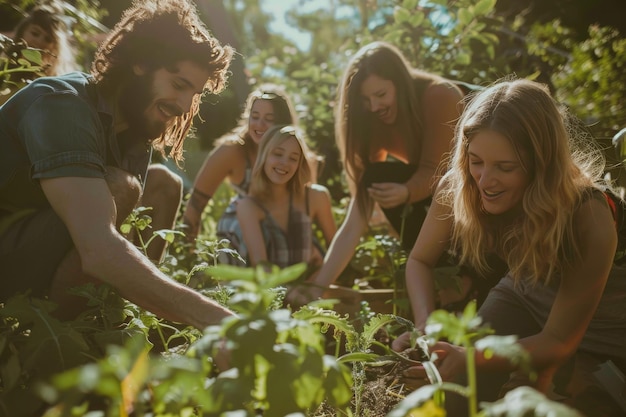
(63, 136)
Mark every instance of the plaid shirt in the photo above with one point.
(283, 249)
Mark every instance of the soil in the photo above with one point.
(384, 387)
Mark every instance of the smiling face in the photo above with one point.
(283, 161)
(379, 97)
(497, 171)
(36, 37)
(261, 118)
(153, 100)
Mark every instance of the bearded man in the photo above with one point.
(74, 157)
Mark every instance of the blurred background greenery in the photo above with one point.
(577, 47)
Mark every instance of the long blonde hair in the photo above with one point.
(541, 242)
(274, 136)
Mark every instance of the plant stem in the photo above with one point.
(162, 336)
(144, 246)
(471, 379)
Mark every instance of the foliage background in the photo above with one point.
(577, 47)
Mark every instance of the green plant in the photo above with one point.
(280, 359)
(467, 330)
(276, 364)
(359, 344)
(18, 64)
(381, 260)
(138, 221)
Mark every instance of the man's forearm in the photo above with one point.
(140, 281)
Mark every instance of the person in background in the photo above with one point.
(45, 28)
(276, 218)
(234, 156)
(74, 152)
(519, 187)
(393, 126)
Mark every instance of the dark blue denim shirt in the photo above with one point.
(58, 127)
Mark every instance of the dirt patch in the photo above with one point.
(384, 387)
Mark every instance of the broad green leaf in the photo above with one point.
(24, 63)
(465, 16)
(338, 382)
(484, 7)
(401, 15)
(463, 59)
(32, 55)
(231, 273)
(416, 20)
(285, 275)
(374, 325)
(10, 372)
(168, 235)
(506, 347)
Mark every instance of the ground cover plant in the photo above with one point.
(118, 360)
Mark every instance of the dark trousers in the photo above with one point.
(574, 384)
(30, 253)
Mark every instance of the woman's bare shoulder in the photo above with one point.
(319, 189)
(442, 91)
(319, 195)
(594, 219)
(229, 150)
(247, 206)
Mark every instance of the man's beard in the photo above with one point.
(134, 100)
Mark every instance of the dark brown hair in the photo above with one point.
(158, 34)
(50, 18)
(353, 124)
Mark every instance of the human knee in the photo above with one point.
(163, 184)
(125, 189)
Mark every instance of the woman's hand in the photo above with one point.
(302, 294)
(450, 360)
(450, 363)
(402, 342)
(389, 194)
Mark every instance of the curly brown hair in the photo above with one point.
(158, 34)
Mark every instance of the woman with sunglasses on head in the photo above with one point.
(234, 155)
